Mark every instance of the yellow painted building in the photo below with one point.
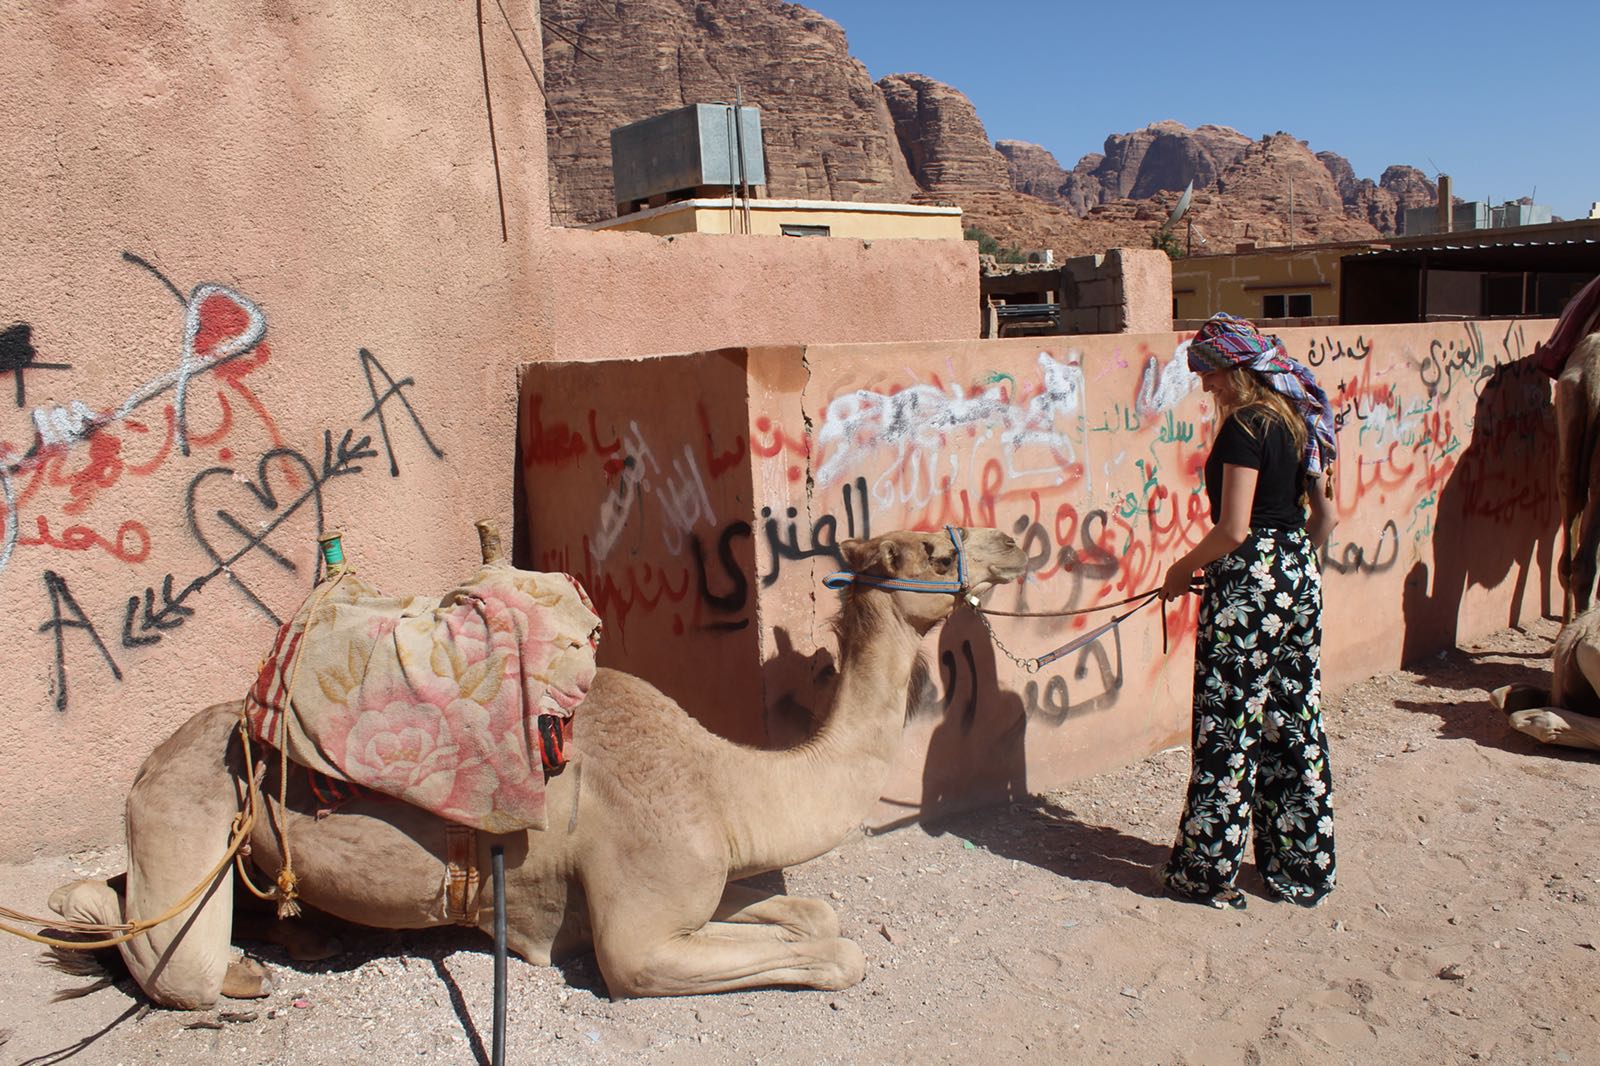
(793, 218)
(1263, 284)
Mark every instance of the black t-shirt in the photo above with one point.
(1255, 439)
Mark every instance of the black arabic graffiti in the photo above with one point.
(824, 536)
(1329, 350)
(1057, 704)
(1353, 558)
(733, 602)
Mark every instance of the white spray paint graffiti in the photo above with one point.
(1162, 388)
(9, 515)
(682, 495)
(684, 500)
(65, 426)
(919, 423)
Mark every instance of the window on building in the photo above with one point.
(806, 231)
(1286, 305)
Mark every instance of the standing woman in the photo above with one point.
(1260, 753)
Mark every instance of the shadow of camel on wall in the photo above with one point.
(1496, 515)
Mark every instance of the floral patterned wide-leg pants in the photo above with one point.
(1260, 753)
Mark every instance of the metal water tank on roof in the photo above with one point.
(683, 150)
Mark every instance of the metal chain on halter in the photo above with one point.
(1031, 666)
(1035, 664)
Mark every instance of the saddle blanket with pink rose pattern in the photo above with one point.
(433, 701)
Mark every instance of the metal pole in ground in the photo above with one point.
(498, 858)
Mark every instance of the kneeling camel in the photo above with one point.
(1569, 713)
(649, 827)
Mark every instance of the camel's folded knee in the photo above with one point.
(176, 965)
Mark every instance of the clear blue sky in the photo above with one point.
(1501, 96)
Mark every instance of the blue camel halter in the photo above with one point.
(957, 587)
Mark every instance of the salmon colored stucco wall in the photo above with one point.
(1089, 451)
(301, 183)
(630, 294)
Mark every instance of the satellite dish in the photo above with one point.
(1183, 204)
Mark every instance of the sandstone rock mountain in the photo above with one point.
(1380, 203)
(1164, 156)
(826, 126)
(1034, 171)
(944, 142)
(830, 132)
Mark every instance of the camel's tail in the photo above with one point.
(99, 901)
(104, 965)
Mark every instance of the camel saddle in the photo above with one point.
(459, 705)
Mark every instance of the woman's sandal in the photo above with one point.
(1224, 899)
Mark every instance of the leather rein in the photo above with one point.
(958, 587)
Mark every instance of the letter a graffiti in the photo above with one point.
(369, 362)
(74, 618)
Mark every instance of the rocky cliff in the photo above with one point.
(1033, 169)
(831, 133)
(944, 142)
(1164, 156)
(1380, 203)
(826, 127)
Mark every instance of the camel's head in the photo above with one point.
(927, 573)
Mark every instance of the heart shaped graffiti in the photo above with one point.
(233, 518)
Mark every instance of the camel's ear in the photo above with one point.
(867, 556)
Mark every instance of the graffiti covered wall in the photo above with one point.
(273, 269)
(1089, 451)
(223, 328)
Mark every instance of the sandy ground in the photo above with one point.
(1464, 929)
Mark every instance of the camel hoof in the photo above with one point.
(1510, 699)
(1542, 726)
(246, 979)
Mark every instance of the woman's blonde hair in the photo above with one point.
(1243, 389)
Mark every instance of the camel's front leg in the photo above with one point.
(1552, 725)
(1570, 487)
(691, 964)
(180, 811)
(655, 944)
(745, 911)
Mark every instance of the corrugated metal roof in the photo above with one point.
(1416, 251)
